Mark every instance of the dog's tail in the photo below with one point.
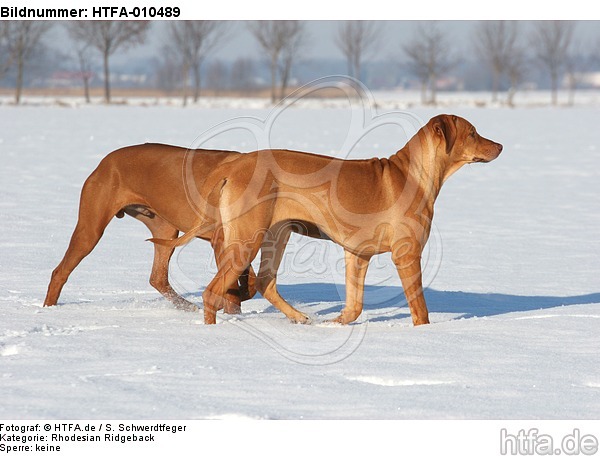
(182, 240)
(210, 220)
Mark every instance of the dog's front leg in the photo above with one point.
(356, 270)
(409, 269)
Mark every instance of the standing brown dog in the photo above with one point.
(366, 206)
(150, 182)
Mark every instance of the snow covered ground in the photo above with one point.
(512, 274)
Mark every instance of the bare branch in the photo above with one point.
(358, 40)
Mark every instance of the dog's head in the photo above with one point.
(459, 142)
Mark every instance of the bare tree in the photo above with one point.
(191, 41)
(281, 40)
(179, 46)
(22, 41)
(358, 40)
(551, 41)
(417, 65)
(82, 50)
(496, 41)
(429, 58)
(580, 60)
(515, 69)
(85, 70)
(108, 37)
(291, 48)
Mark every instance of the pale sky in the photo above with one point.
(321, 42)
(321, 37)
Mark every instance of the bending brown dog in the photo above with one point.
(366, 206)
(150, 183)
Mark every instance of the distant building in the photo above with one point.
(590, 79)
(68, 78)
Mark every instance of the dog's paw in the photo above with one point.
(301, 319)
(186, 306)
(231, 308)
(343, 319)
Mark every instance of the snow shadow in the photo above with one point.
(384, 301)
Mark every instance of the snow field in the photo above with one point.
(513, 285)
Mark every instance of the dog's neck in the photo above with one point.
(425, 166)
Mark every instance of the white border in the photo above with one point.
(346, 10)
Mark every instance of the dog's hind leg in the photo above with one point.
(96, 209)
(241, 290)
(159, 278)
(272, 249)
(247, 283)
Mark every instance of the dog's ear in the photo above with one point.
(445, 126)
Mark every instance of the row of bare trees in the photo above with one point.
(188, 44)
(21, 41)
(504, 46)
(501, 44)
(429, 54)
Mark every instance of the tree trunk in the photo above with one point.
(283, 85)
(423, 92)
(514, 80)
(357, 69)
(495, 83)
(285, 76)
(572, 88)
(184, 80)
(106, 79)
(19, 81)
(86, 88)
(197, 77)
(282, 88)
(432, 83)
(511, 94)
(273, 78)
(85, 76)
(554, 88)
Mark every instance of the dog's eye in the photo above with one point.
(473, 132)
